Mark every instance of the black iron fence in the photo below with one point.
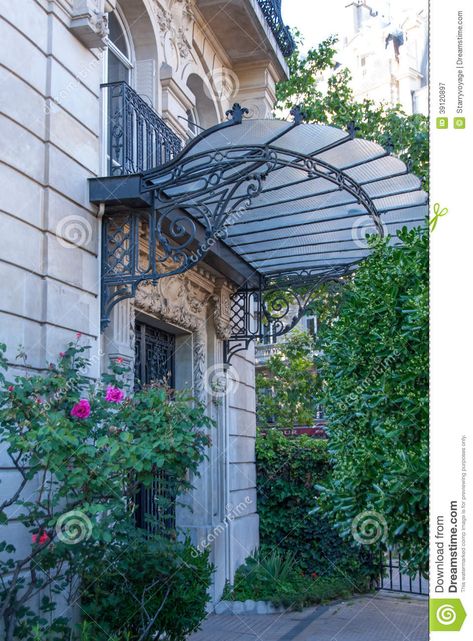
(272, 12)
(394, 576)
(138, 139)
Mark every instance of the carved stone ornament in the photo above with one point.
(176, 21)
(183, 45)
(180, 302)
(221, 315)
(89, 21)
(163, 17)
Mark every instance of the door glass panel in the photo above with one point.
(117, 35)
(154, 355)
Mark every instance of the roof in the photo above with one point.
(270, 204)
(291, 199)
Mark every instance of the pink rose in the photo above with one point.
(40, 538)
(114, 394)
(62, 354)
(81, 409)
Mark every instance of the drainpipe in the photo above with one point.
(228, 546)
(100, 341)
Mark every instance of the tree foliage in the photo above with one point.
(287, 471)
(286, 393)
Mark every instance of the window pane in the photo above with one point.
(117, 71)
(117, 35)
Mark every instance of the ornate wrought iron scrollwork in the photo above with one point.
(276, 306)
(196, 197)
(207, 191)
(164, 240)
(140, 246)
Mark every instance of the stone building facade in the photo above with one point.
(187, 61)
(386, 52)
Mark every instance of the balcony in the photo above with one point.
(250, 31)
(138, 139)
(272, 12)
(265, 351)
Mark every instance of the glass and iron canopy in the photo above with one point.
(290, 203)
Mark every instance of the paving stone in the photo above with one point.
(368, 618)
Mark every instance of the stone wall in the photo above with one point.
(50, 128)
(53, 139)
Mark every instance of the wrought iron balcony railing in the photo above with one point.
(138, 139)
(272, 12)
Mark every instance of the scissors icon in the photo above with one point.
(438, 213)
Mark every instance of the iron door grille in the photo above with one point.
(154, 356)
(154, 362)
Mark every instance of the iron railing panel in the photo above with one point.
(272, 12)
(138, 139)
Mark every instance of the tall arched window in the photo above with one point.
(119, 54)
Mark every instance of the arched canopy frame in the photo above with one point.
(293, 201)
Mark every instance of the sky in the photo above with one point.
(317, 20)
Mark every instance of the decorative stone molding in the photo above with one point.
(180, 302)
(183, 45)
(163, 17)
(118, 340)
(200, 361)
(177, 22)
(221, 311)
(89, 21)
(175, 300)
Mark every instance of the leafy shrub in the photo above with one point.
(287, 471)
(375, 367)
(275, 576)
(85, 448)
(151, 587)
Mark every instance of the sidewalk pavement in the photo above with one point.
(368, 618)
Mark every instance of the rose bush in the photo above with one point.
(77, 452)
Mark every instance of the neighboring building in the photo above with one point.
(172, 67)
(270, 344)
(387, 54)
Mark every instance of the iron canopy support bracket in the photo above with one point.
(275, 307)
